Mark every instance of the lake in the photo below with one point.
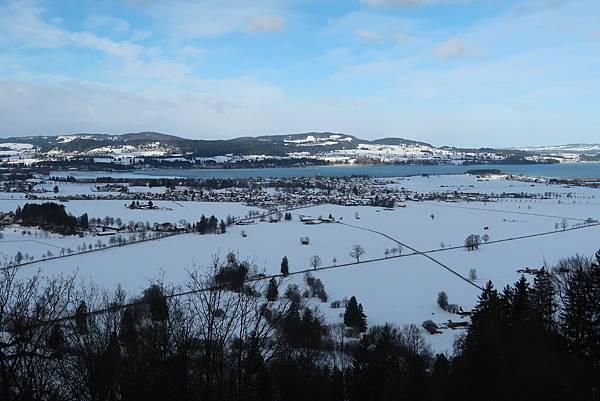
(570, 170)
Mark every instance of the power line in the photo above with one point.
(417, 252)
(263, 277)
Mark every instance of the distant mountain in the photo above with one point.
(577, 148)
(316, 147)
(274, 145)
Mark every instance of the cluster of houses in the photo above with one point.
(142, 206)
(7, 218)
(22, 185)
(269, 193)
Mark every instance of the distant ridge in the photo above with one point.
(273, 145)
(327, 147)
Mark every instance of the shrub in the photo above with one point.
(472, 275)
(442, 300)
(431, 327)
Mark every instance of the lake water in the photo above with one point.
(571, 170)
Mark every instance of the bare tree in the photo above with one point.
(32, 345)
(357, 252)
(315, 261)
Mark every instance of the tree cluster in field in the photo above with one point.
(52, 217)
(383, 201)
(209, 225)
(316, 288)
(442, 301)
(233, 273)
(397, 250)
(472, 242)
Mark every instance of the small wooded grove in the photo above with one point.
(229, 334)
(51, 216)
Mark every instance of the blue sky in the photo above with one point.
(450, 72)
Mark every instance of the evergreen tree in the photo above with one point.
(272, 292)
(351, 312)
(543, 299)
(202, 225)
(520, 303)
(81, 323)
(354, 316)
(484, 320)
(362, 319)
(594, 283)
(159, 309)
(576, 313)
(285, 270)
(222, 227)
(84, 221)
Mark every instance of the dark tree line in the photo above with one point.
(51, 216)
(534, 341)
(226, 338)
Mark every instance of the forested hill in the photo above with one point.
(272, 145)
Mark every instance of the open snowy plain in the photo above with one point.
(400, 289)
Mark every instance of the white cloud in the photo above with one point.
(401, 38)
(191, 51)
(140, 34)
(266, 23)
(225, 107)
(365, 35)
(451, 48)
(186, 19)
(22, 20)
(122, 50)
(104, 21)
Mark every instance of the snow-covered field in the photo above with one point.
(400, 290)
(167, 211)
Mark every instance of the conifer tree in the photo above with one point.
(362, 319)
(272, 292)
(81, 323)
(285, 270)
(576, 312)
(484, 320)
(354, 316)
(543, 299)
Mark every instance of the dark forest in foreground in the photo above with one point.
(224, 337)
